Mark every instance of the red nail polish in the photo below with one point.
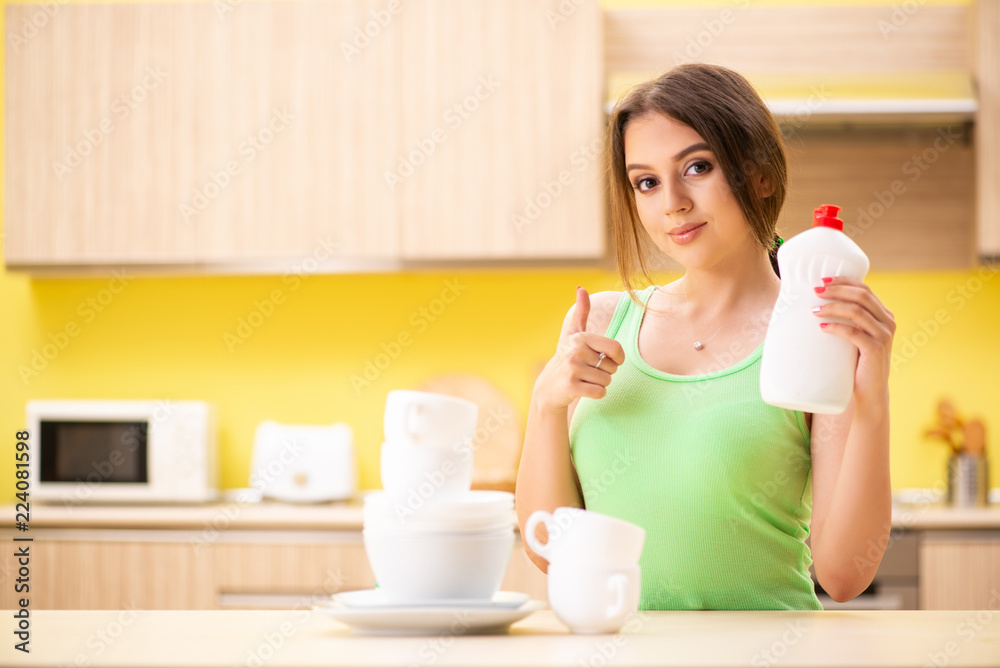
(823, 324)
(827, 279)
(820, 289)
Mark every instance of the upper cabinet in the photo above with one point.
(252, 134)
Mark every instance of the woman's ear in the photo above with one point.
(764, 187)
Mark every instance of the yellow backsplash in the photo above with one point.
(180, 338)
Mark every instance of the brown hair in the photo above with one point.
(722, 107)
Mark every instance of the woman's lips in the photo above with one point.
(688, 235)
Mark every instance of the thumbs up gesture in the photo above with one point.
(583, 364)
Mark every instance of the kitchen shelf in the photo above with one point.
(821, 98)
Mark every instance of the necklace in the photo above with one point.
(698, 344)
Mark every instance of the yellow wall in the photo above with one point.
(164, 338)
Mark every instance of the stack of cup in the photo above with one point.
(427, 453)
(594, 581)
(428, 536)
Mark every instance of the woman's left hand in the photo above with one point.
(871, 330)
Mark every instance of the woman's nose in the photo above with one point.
(674, 198)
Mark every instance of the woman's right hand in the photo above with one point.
(577, 369)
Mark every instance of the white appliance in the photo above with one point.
(108, 451)
(304, 463)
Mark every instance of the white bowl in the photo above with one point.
(418, 568)
(477, 511)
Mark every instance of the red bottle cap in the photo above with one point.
(826, 216)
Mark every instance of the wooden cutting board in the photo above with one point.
(499, 429)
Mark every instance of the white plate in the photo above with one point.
(416, 621)
(375, 598)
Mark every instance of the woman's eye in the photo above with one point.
(700, 167)
(642, 185)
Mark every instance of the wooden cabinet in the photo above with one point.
(960, 570)
(176, 570)
(987, 58)
(208, 133)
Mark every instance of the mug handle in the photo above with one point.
(539, 548)
(412, 414)
(617, 584)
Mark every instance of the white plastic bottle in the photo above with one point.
(803, 367)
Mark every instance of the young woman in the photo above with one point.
(650, 409)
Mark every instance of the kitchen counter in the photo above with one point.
(347, 516)
(289, 638)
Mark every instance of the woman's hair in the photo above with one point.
(722, 107)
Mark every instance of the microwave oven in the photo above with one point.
(103, 451)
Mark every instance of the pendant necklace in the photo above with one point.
(698, 344)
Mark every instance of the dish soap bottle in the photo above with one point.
(803, 367)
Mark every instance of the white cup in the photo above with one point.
(591, 599)
(585, 537)
(416, 474)
(429, 419)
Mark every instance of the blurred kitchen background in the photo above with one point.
(288, 209)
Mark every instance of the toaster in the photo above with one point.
(304, 463)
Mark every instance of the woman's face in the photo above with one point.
(681, 193)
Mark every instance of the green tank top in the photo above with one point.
(720, 481)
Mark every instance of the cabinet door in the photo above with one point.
(269, 133)
(111, 575)
(198, 132)
(284, 574)
(501, 142)
(960, 570)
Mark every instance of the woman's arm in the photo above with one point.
(852, 493)
(546, 478)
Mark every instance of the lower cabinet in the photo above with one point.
(960, 570)
(167, 570)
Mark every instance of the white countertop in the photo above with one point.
(347, 516)
(295, 638)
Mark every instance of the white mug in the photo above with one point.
(591, 599)
(425, 474)
(429, 419)
(583, 536)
